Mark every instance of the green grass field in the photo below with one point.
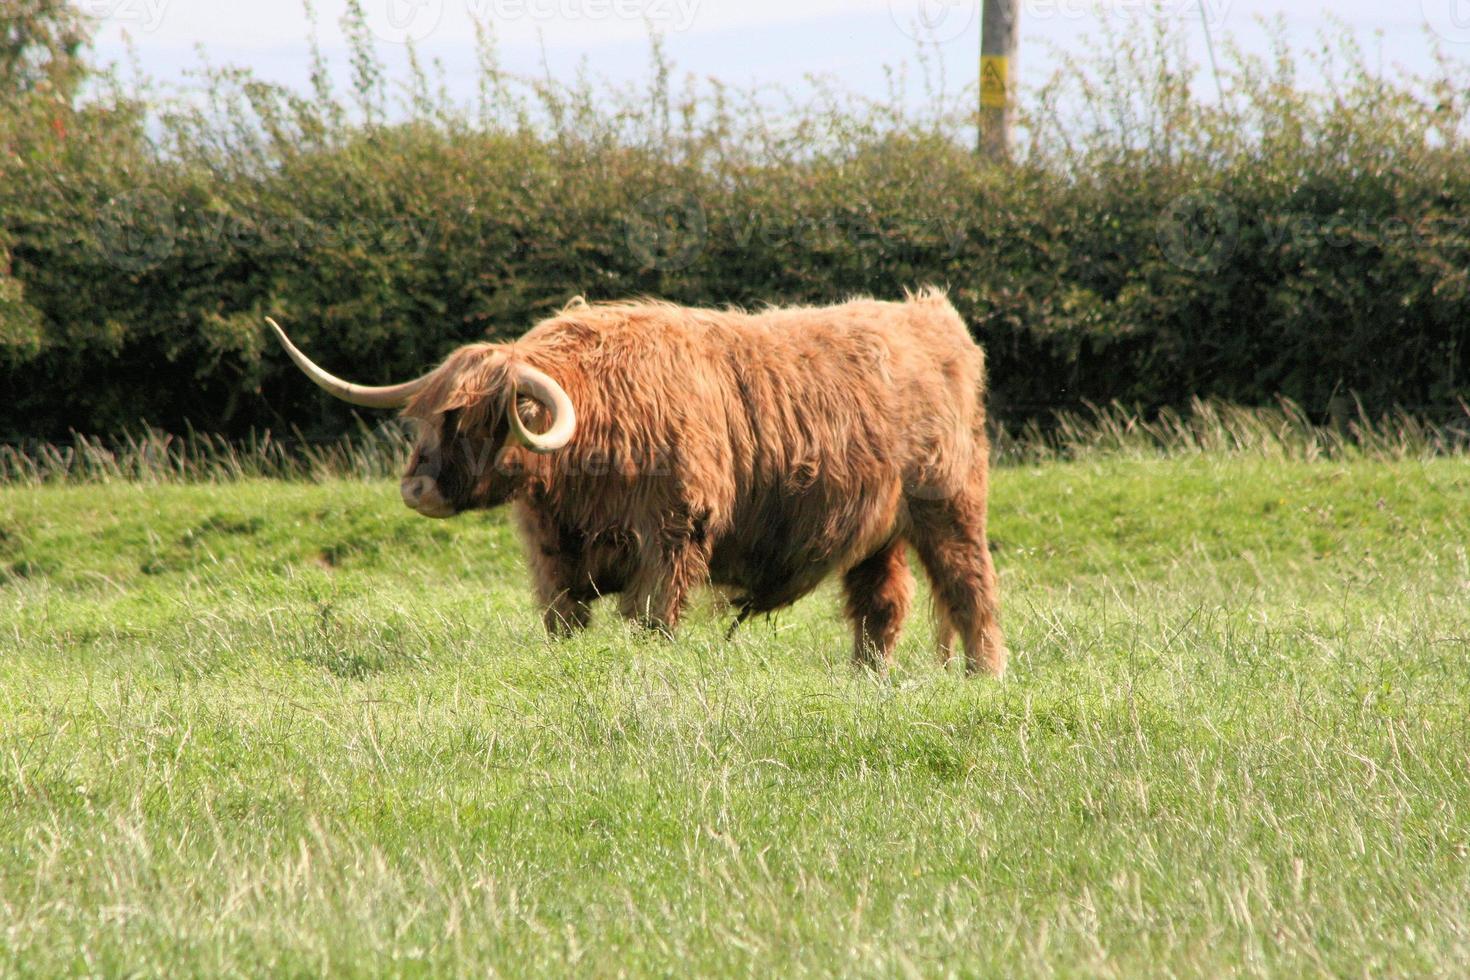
(269, 728)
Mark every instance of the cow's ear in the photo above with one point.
(534, 415)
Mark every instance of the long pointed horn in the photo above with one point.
(541, 387)
(389, 396)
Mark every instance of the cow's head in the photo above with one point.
(474, 414)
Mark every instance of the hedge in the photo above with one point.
(1307, 244)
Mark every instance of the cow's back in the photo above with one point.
(794, 437)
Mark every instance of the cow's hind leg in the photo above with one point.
(879, 590)
(944, 635)
(949, 536)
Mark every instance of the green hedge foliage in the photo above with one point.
(1306, 242)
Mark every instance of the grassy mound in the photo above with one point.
(284, 727)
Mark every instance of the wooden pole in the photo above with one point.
(1000, 31)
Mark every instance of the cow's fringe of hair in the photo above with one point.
(466, 381)
(1206, 428)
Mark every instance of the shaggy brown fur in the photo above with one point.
(760, 452)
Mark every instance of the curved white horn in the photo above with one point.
(543, 389)
(389, 396)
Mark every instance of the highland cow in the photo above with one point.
(647, 449)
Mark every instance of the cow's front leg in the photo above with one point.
(563, 591)
(661, 587)
(558, 559)
(565, 596)
(566, 613)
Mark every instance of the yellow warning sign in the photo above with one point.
(995, 80)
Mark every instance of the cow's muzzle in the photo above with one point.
(421, 494)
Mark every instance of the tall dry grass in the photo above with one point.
(1285, 432)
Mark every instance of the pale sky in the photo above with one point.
(738, 41)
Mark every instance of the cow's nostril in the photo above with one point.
(421, 493)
